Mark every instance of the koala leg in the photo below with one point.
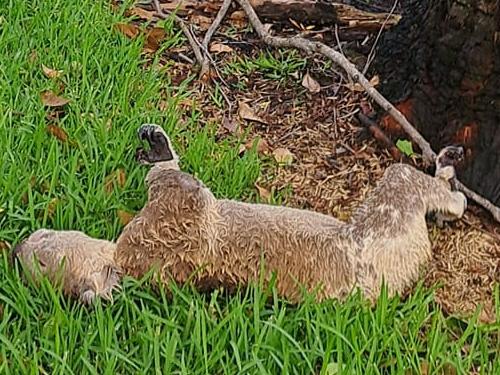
(160, 148)
(100, 284)
(452, 209)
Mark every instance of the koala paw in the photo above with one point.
(462, 203)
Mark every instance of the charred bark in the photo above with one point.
(441, 63)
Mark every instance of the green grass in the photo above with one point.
(47, 183)
(276, 65)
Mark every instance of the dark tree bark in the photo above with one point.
(441, 63)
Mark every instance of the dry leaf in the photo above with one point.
(128, 30)
(262, 146)
(283, 156)
(263, 192)
(33, 56)
(51, 73)
(58, 133)
(311, 84)
(202, 21)
(52, 206)
(124, 216)
(374, 81)
(52, 100)
(230, 125)
(238, 19)
(449, 368)
(4, 246)
(242, 149)
(247, 113)
(268, 27)
(424, 368)
(142, 13)
(219, 48)
(116, 178)
(153, 39)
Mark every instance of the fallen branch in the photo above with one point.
(310, 46)
(205, 67)
(339, 12)
(190, 37)
(324, 12)
(486, 204)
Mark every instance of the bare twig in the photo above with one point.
(486, 204)
(310, 46)
(380, 136)
(371, 55)
(190, 37)
(210, 32)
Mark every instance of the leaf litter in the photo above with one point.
(50, 99)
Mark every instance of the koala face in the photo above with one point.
(44, 250)
(450, 156)
(83, 264)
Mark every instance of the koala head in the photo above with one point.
(84, 265)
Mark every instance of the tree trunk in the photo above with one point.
(441, 63)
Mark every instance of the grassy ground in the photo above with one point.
(46, 182)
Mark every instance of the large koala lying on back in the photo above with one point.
(185, 233)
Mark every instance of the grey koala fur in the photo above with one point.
(185, 234)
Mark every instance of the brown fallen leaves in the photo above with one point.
(220, 48)
(311, 84)
(264, 193)
(124, 216)
(283, 156)
(129, 30)
(247, 113)
(4, 246)
(115, 179)
(141, 13)
(57, 132)
(50, 99)
(51, 73)
(374, 81)
(153, 36)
